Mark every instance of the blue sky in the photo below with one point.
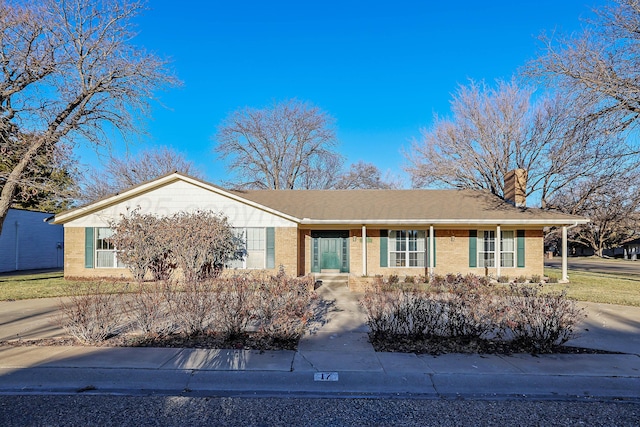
(381, 69)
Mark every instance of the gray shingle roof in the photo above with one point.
(399, 205)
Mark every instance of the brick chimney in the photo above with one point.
(515, 187)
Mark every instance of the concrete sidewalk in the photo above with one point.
(334, 358)
(241, 372)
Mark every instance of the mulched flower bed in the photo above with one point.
(438, 345)
(207, 340)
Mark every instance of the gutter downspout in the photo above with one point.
(565, 276)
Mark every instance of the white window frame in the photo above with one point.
(104, 250)
(407, 247)
(486, 248)
(505, 243)
(252, 246)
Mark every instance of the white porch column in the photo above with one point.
(497, 254)
(364, 250)
(565, 277)
(431, 254)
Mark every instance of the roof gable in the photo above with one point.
(158, 184)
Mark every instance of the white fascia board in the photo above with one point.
(543, 222)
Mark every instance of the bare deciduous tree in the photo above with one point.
(285, 146)
(362, 175)
(119, 174)
(601, 63)
(493, 131)
(68, 73)
(613, 211)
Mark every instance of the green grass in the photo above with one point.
(47, 285)
(598, 287)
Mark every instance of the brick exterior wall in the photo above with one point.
(293, 252)
(287, 250)
(286, 253)
(452, 256)
(74, 258)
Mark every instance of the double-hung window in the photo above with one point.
(254, 254)
(106, 254)
(507, 249)
(487, 248)
(407, 248)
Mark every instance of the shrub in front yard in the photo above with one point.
(270, 308)
(468, 308)
(147, 307)
(283, 306)
(235, 302)
(198, 243)
(191, 305)
(91, 317)
(537, 321)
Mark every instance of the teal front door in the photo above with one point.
(330, 251)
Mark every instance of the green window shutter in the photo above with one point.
(520, 247)
(473, 248)
(384, 250)
(89, 247)
(435, 251)
(271, 247)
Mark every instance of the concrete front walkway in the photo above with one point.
(334, 358)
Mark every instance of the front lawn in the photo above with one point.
(598, 287)
(593, 287)
(45, 285)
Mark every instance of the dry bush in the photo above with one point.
(147, 306)
(284, 306)
(538, 322)
(467, 307)
(138, 241)
(417, 313)
(192, 305)
(235, 299)
(200, 243)
(91, 317)
(197, 243)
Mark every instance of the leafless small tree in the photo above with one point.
(68, 72)
(282, 146)
(118, 174)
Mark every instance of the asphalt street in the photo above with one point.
(598, 265)
(83, 410)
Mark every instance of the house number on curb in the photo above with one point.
(325, 376)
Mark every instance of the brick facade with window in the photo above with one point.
(403, 232)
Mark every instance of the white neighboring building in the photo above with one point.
(28, 242)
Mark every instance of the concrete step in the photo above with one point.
(333, 279)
